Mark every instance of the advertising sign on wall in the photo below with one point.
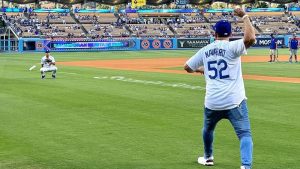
(192, 43)
(61, 45)
(156, 44)
(265, 42)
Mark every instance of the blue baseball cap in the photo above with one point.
(223, 28)
(47, 51)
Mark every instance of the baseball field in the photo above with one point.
(139, 110)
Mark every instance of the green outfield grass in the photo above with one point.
(279, 69)
(77, 121)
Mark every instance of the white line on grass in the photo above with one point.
(147, 82)
(69, 73)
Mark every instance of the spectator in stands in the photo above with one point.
(25, 10)
(36, 32)
(4, 16)
(76, 10)
(30, 10)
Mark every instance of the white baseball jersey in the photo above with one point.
(45, 61)
(223, 73)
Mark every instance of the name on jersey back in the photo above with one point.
(215, 52)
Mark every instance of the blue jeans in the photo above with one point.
(239, 119)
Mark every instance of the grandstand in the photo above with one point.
(57, 25)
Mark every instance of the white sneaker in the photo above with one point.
(206, 161)
(243, 167)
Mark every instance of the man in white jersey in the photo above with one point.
(225, 94)
(48, 65)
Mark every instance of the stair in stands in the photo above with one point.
(172, 30)
(170, 27)
(258, 29)
(206, 20)
(10, 28)
(124, 24)
(78, 22)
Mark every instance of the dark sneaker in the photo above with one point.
(43, 77)
(53, 76)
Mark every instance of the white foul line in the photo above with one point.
(147, 82)
(70, 73)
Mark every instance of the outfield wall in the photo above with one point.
(129, 44)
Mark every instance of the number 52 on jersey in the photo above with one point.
(217, 69)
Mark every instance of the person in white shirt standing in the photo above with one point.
(220, 62)
(48, 65)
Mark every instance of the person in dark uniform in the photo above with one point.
(273, 48)
(293, 48)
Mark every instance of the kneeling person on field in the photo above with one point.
(48, 65)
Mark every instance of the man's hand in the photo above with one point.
(189, 70)
(249, 34)
(239, 12)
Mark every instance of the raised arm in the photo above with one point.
(249, 34)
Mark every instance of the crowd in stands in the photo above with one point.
(138, 28)
(288, 29)
(2, 28)
(107, 30)
(284, 23)
(151, 31)
(102, 25)
(261, 20)
(95, 25)
(12, 21)
(139, 20)
(192, 30)
(35, 26)
(91, 18)
(54, 24)
(141, 26)
(186, 18)
(214, 17)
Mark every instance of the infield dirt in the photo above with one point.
(161, 65)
